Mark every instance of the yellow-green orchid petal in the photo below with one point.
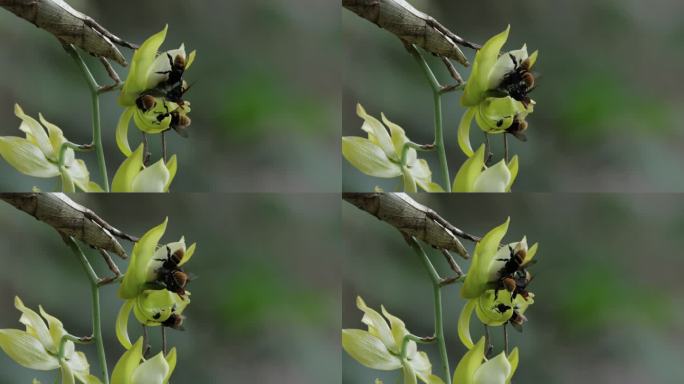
(513, 360)
(26, 157)
(129, 169)
(152, 307)
(191, 59)
(67, 374)
(55, 135)
(409, 181)
(172, 167)
(26, 350)
(135, 277)
(369, 350)
(409, 374)
(464, 131)
(68, 185)
(152, 371)
(122, 323)
(493, 179)
(35, 133)
(469, 172)
(464, 324)
(494, 371)
(136, 82)
(35, 326)
(533, 58)
(469, 364)
(496, 114)
(513, 170)
(485, 59)
(171, 361)
(129, 361)
(55, 327)
(485, 251)
(148, 122)
(122, 130)
(368, 157)
(152, 179)
(377, 326)
(504, 65)
(377, 132)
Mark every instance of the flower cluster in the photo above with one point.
(153, 91)
(495, 287)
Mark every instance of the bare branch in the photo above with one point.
(412, 218)
(70, 219)
(69, 26)
(411, 26)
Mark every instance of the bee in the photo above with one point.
(174, 87)
(179, 122)
(518, 128)
(517, 320)
(170, 275)
(174, 321)
(518, 82)
(177, 68)
(513, 276)
(145, 102)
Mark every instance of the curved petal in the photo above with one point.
(505, 64)
(485, 59)
(172, 166)
(67, 182)
(469, 172)
(368, 350)
(397, 326)
(496, 114)
(488, 311)
(143, 251)
(464, 132)
(153, 178)
(494, 371)
(409, 374)
(171, 361)
(513, 360)
(148, 122)
(530, 253)
(397, 134)
(188, 254)
(55, 135)
(409, 181)
(143, 58)
(127, 172)
(485, 251)
(152, 307)
(35, 133)
(35, 325)
(122, 131)
(26, 157)
(55, 328)
(469, 364)
(377, 133)
(533, 58)
(26, 350)
(377, 326)
(123, 371)
(513, 169)
(464, 324)
(494, 179)
(368, 157)
(67, 374)
(122, 324)
(152, 371)
(78, 363)
(78, 171)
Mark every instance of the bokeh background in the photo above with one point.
(265, 305)
(608, 306)
(608, 114)
(265, 99)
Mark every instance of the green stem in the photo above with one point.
(97, 324)
(436, 95)
(417, 339)
(75, 339)
(417, 147)
(436, 289)
(95, 98)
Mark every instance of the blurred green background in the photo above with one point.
(265, 304)
(608, 114)
(608, 306)
(265, 100)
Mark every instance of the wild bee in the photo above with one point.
(513, 276)
(170, 275)
(517, 320)
(518, 82)
(174, 87)
(174, 321)
(518, 128)
(145, 102)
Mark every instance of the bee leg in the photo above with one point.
(112, 74)
(112, 267)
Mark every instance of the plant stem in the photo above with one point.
(436, 289)
(437, 97)
(97, 324)
(95, 99)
